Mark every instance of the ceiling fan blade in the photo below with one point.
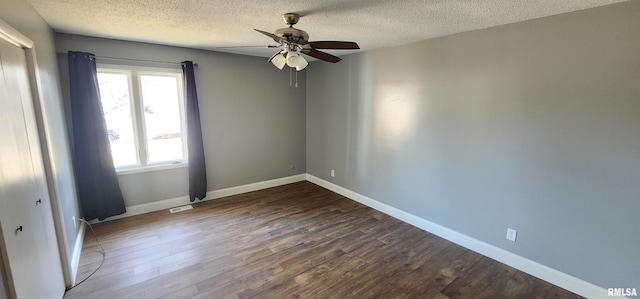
(233, 47)
(337, 45)
(276, 38)
(321, 55)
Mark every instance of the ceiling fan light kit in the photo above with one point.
(296, 61)
(296, 41)
(302, 63)
(279, 60)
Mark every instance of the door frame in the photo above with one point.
(15, 37)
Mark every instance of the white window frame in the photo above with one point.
(137, 115)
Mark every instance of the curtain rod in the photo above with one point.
(135, 60)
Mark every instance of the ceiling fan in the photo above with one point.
(296, 41)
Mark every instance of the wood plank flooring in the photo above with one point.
(292, 241)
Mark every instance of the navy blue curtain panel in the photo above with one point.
(96, 180)
(197, 167)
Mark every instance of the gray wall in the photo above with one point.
(533, 126)
(253, 123)
(51, 122)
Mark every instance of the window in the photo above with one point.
(143, 110)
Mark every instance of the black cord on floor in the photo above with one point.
(104, 256)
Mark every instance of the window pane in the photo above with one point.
(116, 105)
(163, 125)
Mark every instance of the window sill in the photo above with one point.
(150, 168)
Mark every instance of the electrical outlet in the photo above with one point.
(333, 173)
(75, 222)
(511, 234)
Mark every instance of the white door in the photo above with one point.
(28, 245)
(4, 290)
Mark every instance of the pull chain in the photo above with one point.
(290, 77)
(296, 78)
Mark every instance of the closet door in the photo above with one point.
(32, 260)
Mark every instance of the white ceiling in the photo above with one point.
(209, 24)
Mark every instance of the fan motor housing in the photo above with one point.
(293, 35)
(291, 18)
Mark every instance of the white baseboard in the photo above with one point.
(77, 251)
(543, 272)
(184, 200)
(255, 186)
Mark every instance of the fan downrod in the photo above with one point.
(291, 18)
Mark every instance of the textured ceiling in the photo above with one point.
(210, 24)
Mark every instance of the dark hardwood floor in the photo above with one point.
(292, 241)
